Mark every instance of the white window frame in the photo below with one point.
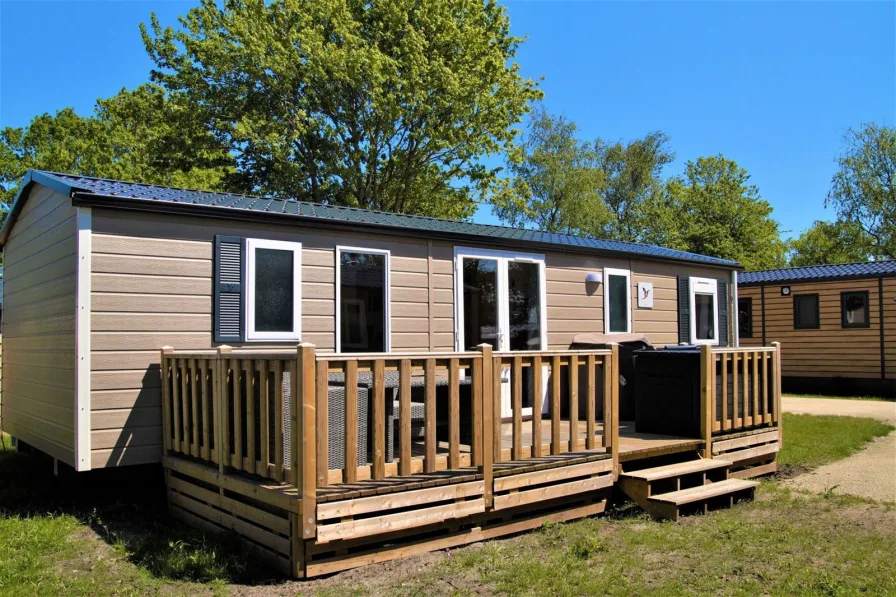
(280, 245)
(612, 271)
(707, 286)
(387, 299)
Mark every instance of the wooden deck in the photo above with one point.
(230, 421)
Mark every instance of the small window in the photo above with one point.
(617, 301)
(704, 311)
(745, 317)
(854, 306)
(363, 300)
(274, 272)
(805, 312)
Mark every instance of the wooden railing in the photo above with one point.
(417, 413)
(740, 389)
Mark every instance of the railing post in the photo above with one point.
(614, 408)
(304, 439)
(707, 397)
(487, 383)
(164, 370)
(221, 408)
(776, 389)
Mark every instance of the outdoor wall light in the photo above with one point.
(594, 277)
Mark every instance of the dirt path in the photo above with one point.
(875, 409)
(872, 472)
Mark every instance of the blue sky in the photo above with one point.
(771, 85)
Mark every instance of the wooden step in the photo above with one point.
(677, 470)
(703, 492)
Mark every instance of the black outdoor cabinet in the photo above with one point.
(667, 391)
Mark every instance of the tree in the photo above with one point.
(385, 105)
(713, 210)
(632, 175)
(142, 135)
(863, 191)
(554, 182)
(830, 242)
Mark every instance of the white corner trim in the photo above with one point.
(735, 309)
(627, 274)
(82, 341)
(387, 299)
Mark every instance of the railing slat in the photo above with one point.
(350, 473)
(573, 403)
(497, 427)
(429, 409)
(726, 424)
(484, 367)
(237, 459)
(590, 402)
(323, 424)
(555, 405)
(194, 403)
(264, 403)
(478, 431)
(757, 418)
(279, 423)
(185, 407)
(537, 402)
(404, 417)
(175, 404)
(205, 405)
(766, 411)
(251, 415)
(453, 414)
(516, 396)
(378, 466)
(607, 368)
(225, 385)
(735, 391)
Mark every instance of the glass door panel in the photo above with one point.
(480, 303)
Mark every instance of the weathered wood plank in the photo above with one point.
(516, 398)
(351, 422)
(556, 448)
(404, 417)
(323, 422)
(453, 414)
(392, 501)
(429, 409)
(379, 420)
(537, 400)
(550, 492)
(591, 400)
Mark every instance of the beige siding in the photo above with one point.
(830, 351)
(40, 259)
(890, 326)
(152, 286)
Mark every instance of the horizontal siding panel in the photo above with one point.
(36, 278)
(161, 266)
(135, 379)
(151, 247)
(135, 398)
(120, 438)
(61, 231)
(150, 340)
(149, 303)
(65, 247)
(126, 417)
(130, 283)
(146, 322)
(126, 457)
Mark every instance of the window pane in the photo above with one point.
(704, 308)
(480, 280)
(273, 290)
(362, 295)
(805, 314)
(855, 309)
(745, 317)
(525, 305)
(617, 286)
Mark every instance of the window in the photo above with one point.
(617, 301)
(805, 312)
(362, 296)
(854, 309)
(745, 317)
(274, 274)
(704, 311)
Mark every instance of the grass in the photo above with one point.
(112, 536)
(813, 440)
(831, 397)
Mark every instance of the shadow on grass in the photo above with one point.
(127, 508)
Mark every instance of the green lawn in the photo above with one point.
(833, 397)
(812, 440)
(111, 536)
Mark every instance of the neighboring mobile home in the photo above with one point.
(838, 323)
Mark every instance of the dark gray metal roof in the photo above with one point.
(114, 193)
(812, 273)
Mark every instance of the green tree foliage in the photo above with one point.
(863, 191)
(830, 242)
(385, 105)
(713, 210)
(632, 178)
(554, 183)
(141, 135)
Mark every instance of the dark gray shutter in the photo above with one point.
(723, 313)
(229, 289)
(684, 310)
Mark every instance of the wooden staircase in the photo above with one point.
(666, 492)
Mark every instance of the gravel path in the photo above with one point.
(870, 473)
